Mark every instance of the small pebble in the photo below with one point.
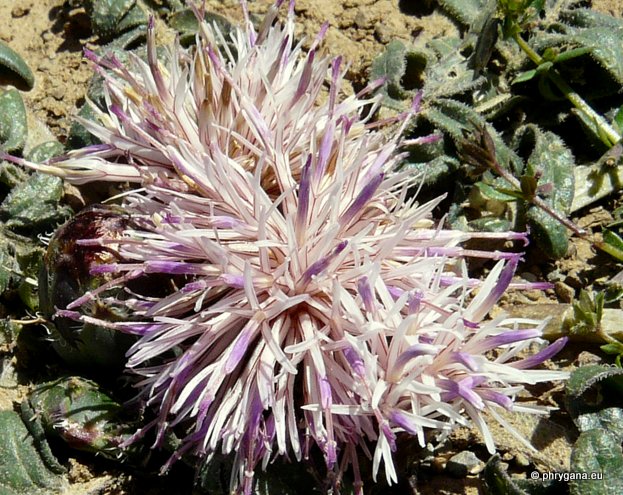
(19, 11)
(58, 92)
(362, 19)
(573, 279)
(586, 358)
(464, 463)
(555, 276)
(382, 33)
(529, 277)
(564, 292)
(522, 460)
(439, 464)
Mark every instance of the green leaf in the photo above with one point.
(601, 34)
(456, 119)
(447, 72)
(464, 11)
(17, 259)
(22, 468)
(618, 119)
(435, 170)
(550, 235)
(45, 151)
(593, 399)
(186, 24)
(494, 192)
(79, 137)
(571, 54)
(391, 65)
(597, 451)
(13, 124)
(76, 410)
(525, 76)
(7, 267)
(582, 379)
(112, 17)
(11, 60)
(612, 348)
(611, 244)
(554, 165)
(34, 203)
(133, 18)
(499, 482)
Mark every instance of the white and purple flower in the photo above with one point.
(323, 308)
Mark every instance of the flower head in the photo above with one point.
(321, 306)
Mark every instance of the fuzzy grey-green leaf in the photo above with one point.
(555, 164)
(22, 470)
(11, 60)
(79, 412)
(550, 235)
(34, 203)
(597, 451)
(391, 64)
(7, 267)
(45, 151)
(585, 377)
(464, 11)
(13, 122)
(552, 161)
(111, 17)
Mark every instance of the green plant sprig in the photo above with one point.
(479, 149)
(518, 14)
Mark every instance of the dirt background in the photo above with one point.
(51, 34)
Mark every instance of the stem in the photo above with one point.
(532, 55)
(536, 201)
(605, 132)
(33, 321)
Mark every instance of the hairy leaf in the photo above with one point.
(23, 470)
(34, 203)
(13, 125)
(464, 11)
(597, 453)
(391, 65)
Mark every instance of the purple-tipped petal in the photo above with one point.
(463, 389)
(466, 360)
(405, 421)
(305, 79)
(233, 280)
(492, 396)
(413, 352)
(238, 350)
(321, 265)
(540, 357)
(363, 287)
(415, 302)
(355, 361)
(362, 199)
(174, 268)
(303, 204)
(326, 396)
(510, 337)
(326, 145)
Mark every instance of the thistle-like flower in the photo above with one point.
(321, 307)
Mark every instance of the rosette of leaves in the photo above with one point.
(30, 204)
(484, 79)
